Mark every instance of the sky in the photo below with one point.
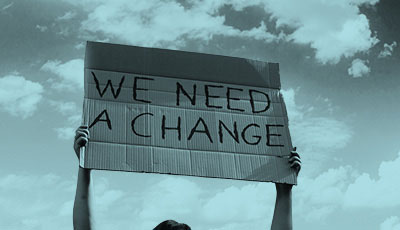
(339, 66)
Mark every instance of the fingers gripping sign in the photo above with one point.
(295, 161)
(81, 138)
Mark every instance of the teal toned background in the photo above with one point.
(339, 64)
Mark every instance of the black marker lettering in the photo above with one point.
(109, 83)
(135, 88)
(234, 135)
(269, 134)
(194, 129)
(163, 127)
(255, 136)
(208, 96)
(98, 119)
(180, 88)
(133, 124)
(229, 98)
(251, 91)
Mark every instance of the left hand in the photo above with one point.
(81, 138)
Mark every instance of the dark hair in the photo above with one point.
(171, 225)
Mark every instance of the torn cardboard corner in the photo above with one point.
(173, 112)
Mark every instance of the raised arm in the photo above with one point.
(282, 219)
(82, 213)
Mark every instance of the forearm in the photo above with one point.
(282, 219)
(81, 213)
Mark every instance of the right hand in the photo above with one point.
(81, 138)
(295, 161)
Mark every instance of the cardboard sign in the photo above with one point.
(173, 112)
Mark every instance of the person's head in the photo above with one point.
(171, 225)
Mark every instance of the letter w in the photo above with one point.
(115, 94)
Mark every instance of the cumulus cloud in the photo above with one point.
(316, 23)
(387, 50)
(19, 96)
(391, 223)
(64, 107)
(295, 112)
(358, 68)
(186, 200)
(234, 206)
(70, 110)
(252, 202)
(69, 74)
(326, 133)
(242, 205)
(167, 195)
(33, 201)
(65, 133)
(345, 188)
(170, 24)
(163, 23)
(314, 134)
(366, 191)
(318, 197)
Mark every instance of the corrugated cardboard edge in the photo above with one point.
(82, 152)
(85, 122)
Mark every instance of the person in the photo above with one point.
(282, 218)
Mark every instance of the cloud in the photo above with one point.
(185, 199)
(65, 107)
(73, 116)
(69, 74)
(358, 68)
(321, 191)
(105, 200)
(233, 206)
(41, 28)
(316, 23)
(68, 132)
(67, 16)
(4, 8)
(314, 134)
(321, 132)
(171, 24)
(45, 201)
(367, 192)
(65, 133)
(18, 96)
(172, 197)
(387, 50)
(318, 197)
(391, 223)
(294, 111)
(240, 205)
(251, 203)
(35, 201)
(344, 188)
(163, 23)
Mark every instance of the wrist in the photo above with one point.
(84, 171)
(283, 189)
